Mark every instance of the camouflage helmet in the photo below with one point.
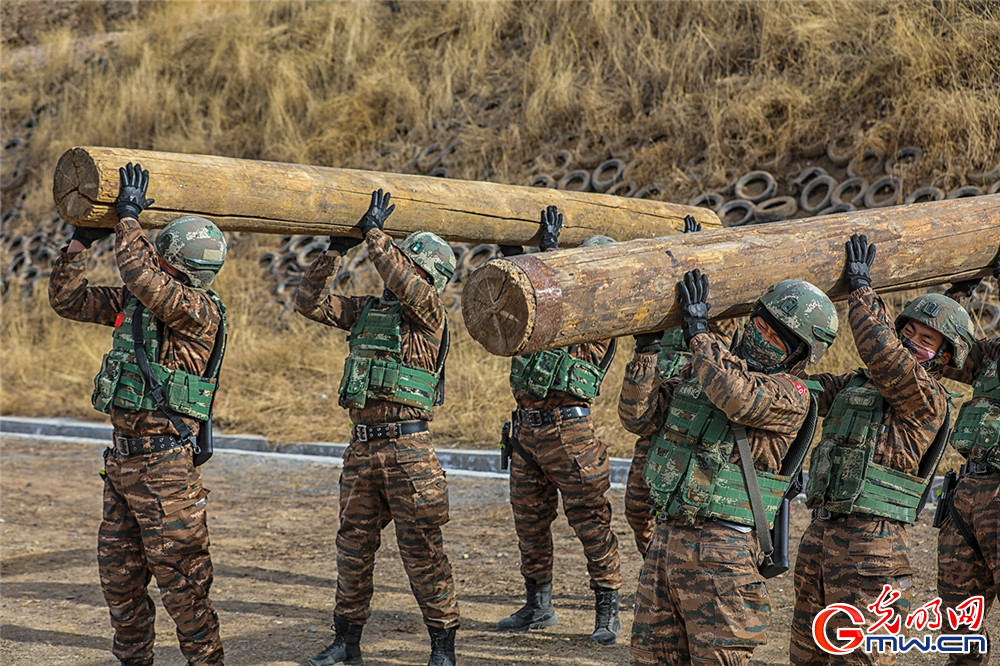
(806, 311)
(947, 317)
(194, 246)
(597, 240)
(432, 254)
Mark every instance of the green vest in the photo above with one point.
(842, 476)
(688, 470)
(977, 428)
(120, 382)
(375, 369)
(542, 372)
(673, 355)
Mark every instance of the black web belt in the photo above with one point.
(539, 417)
(132, 446)
(367, 433)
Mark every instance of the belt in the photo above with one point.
(131, 446)
(365, 433)
(537, 417)
(979, 468)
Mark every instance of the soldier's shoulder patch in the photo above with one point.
(801, 388)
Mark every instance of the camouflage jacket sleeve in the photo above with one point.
(726, 330)
(187, 311)
(645, 396)
(917, 398)
(71, 297)
(313, 299)
(777, 403)
(981, 351)
(418, 297)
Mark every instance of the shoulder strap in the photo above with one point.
(753, 491)
(609, 355)
(155, 388)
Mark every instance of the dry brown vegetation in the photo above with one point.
(695, 93)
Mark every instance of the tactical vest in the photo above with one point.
(977, 429)
(688, 470)
(542, 372)
(120, 382)
(842, 475)
(375, 369)
(673, 355)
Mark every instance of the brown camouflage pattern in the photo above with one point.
(638, 513)
(977, 500)
(960, 573)
(154, 525)
(834, 556)
(592, 352)
(700, 599)
(847, 560)
(399, 481)
(423, 321)
(154, 522)
(573, 463)
(190, 318)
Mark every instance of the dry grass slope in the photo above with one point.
(696, 93)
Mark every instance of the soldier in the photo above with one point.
(154, 522)
(883, 434)
(969, 540)
(724, 429)
(393, 378)
(557, 452)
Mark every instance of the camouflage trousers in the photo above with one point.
(401, 481)
(847, 560)
(960, 573)
(700, 599)
(575, 463)
(154, 525)
(638, 511)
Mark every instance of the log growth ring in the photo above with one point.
(497, 303)
(75, 185)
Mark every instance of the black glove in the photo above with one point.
(378, 212)
(860, 256)
(87, 235)
(552, 221)
(648, 342)
(691, 225)
(511, 250)
(343, 243)
(132, 191)
(966, 287)
(694, 304)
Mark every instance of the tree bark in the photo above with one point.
(543, 301)
(276, 198)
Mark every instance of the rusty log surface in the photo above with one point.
(278, 198)
(548, 300)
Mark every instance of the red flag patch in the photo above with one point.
(800, 388)
(119, 319)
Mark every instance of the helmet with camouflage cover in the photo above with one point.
(597, 240)
(194, 246)
(805, 311)
(432, 254)
(947, 317)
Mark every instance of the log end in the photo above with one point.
(498, 305)
(75, 185)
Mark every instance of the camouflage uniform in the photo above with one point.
(672, 358)
(397, 479)
(961, 574)
(700, 598)
(154, 522)
(572, 462)
(848, 558)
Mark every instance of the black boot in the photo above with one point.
(537, 613)
(607, 626)
(442, 646)
(345, 648)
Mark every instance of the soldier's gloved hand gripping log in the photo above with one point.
(132, 191)
(860, 256)
(377, 213)
(693, 292)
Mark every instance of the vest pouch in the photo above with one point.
(354, 383)
(186, 393)
(820, 466)
(584, 381)
(106, 380)
(665, 466)
(847, 478)
(702, 472)
(541, 374)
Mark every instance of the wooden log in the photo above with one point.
(548, 300)
(271, 197)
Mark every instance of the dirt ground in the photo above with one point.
(272, 524)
